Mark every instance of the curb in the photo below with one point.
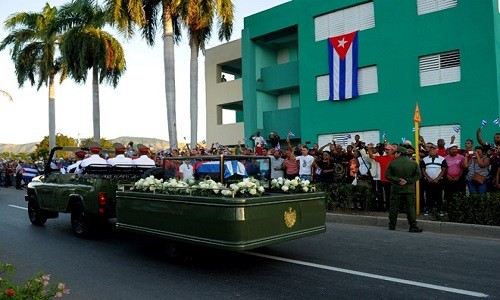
(463, 229)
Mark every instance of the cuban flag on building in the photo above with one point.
(343, 66)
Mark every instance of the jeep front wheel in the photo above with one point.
(35, 214)
(80, 222)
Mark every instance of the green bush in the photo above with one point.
(482, 209)
(345, 196)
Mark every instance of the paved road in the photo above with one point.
(347, 262)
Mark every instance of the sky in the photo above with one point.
(136, 107)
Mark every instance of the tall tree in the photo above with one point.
(86, 46)
(147, 15)
(198, 17)
(4, 93)
(34, 39)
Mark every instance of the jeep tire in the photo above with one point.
(81, 222)
(36, 215)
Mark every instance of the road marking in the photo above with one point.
(374, 276)
(15, 206)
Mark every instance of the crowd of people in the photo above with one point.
(17, 173)
(445, 170)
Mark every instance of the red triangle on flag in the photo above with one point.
(342, 43)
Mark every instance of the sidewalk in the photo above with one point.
(426, 223)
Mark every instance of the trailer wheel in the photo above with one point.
(80, 222)
(36, 215)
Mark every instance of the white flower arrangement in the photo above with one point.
(249, 187)
(296, 185)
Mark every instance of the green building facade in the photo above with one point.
(443, 54)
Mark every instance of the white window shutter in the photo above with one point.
(359, 17)
(322, 87)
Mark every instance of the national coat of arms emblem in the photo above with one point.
(290, 217)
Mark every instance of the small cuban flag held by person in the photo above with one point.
(483, 123)
(456, 128)
(290, 133)
(383, 136)
(496, 121)
(343, 66)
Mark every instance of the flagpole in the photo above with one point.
(417, 119)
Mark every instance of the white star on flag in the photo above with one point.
(342, 42)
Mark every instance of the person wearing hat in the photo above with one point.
(403, 172)
(80, 155)
(433, 171)
(143, 160)
(94, 159)
(120, 158)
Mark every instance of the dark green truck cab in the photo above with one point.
(89, 197)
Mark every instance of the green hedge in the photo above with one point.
(483, 209)
(347, 196)
(472, 209)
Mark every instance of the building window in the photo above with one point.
(284, 101)
(433, 133)
(367, 80)
(346, 138)
(439, 68)
(367, 83)
(230, 113)
(428, 6)
(359, 17)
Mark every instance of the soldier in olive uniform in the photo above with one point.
(403, 173)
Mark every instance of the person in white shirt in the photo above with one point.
(306, 163)
(143, 160)
(259, 142)
(120, 158)
(80, 155)
(186, 171)
(94, 159)
(277, 165)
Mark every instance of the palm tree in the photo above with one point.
(2, 92)
(198, 16)
(85, 45)
(34, 39)
(147, 14)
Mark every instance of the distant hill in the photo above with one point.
(30, 147)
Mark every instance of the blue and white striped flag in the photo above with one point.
(483, 123)
(496, 121)
(456, 128)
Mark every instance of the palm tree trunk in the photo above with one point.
(52, 113)
(169, 66)
(95, 105)
(193, 87)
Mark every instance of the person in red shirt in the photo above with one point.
(384, 161)
(441, 148)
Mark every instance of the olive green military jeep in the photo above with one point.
(90, 197)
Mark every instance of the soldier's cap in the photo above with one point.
(119, 147)
(93, 146)
(142, 148)
(80, 153)
(401, 150)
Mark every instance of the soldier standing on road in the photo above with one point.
(403, 173)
